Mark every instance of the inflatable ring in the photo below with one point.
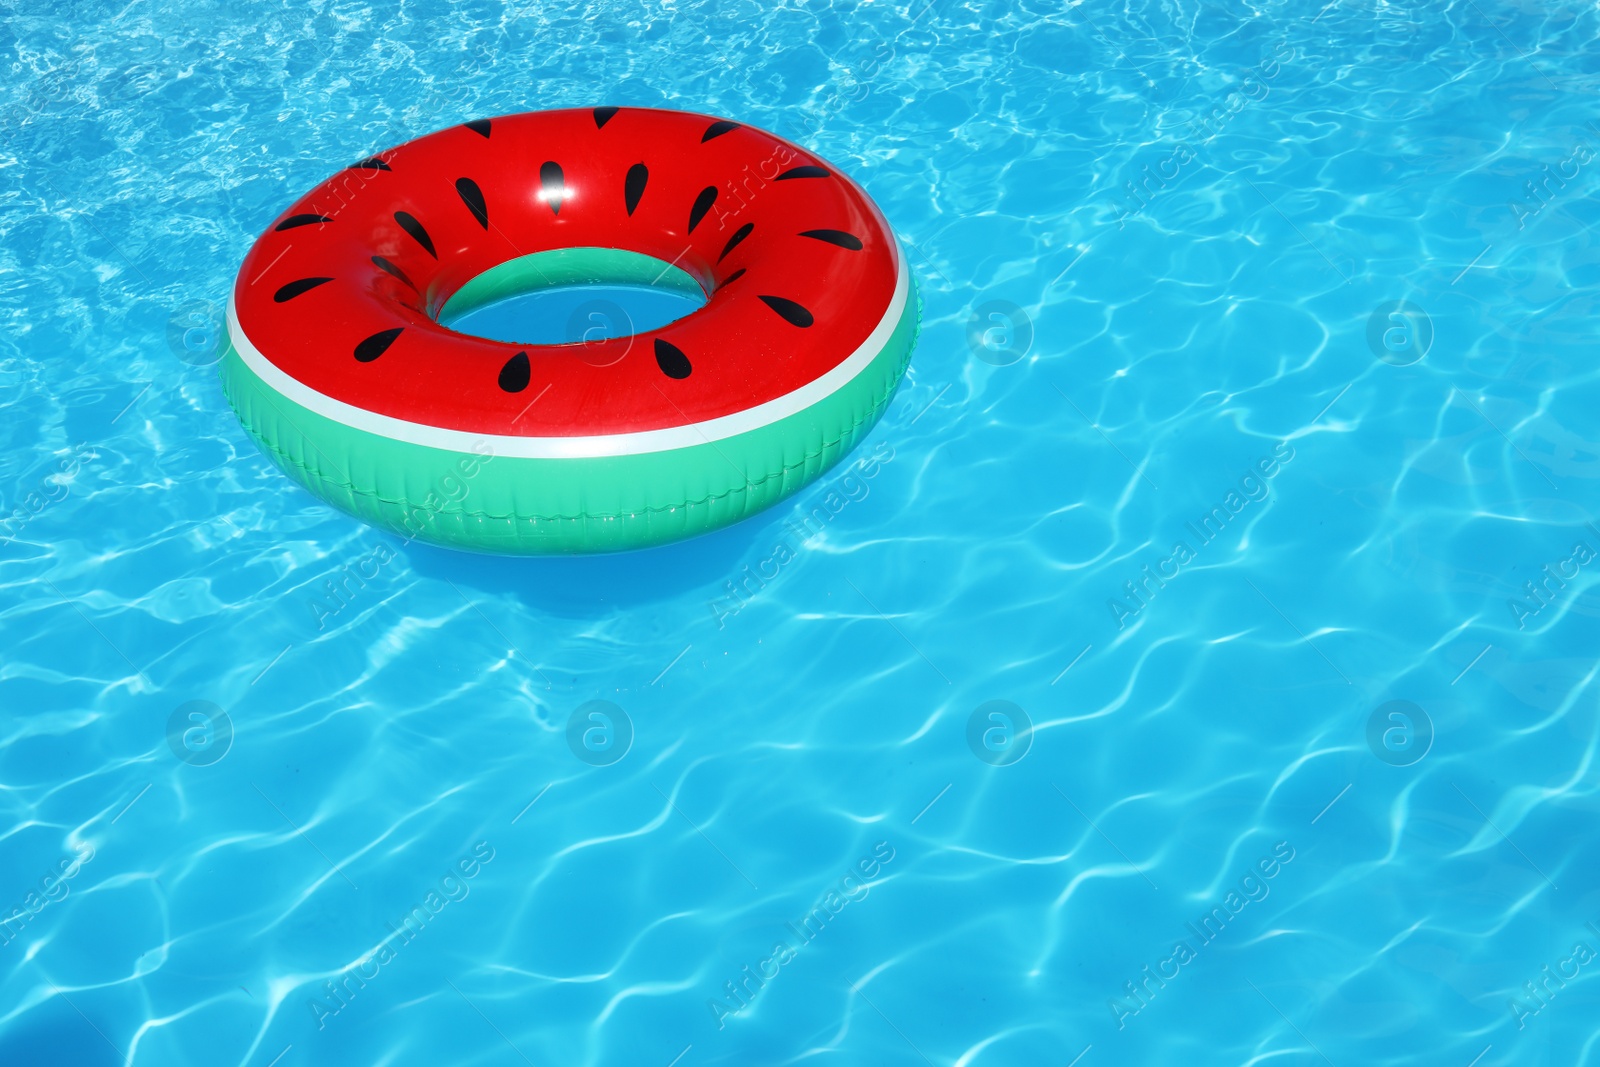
(339, 368)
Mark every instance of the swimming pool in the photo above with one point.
(1197, 662)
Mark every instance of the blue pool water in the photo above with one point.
(1303, 289)
(576, 314)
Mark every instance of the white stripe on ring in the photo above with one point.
(621, 444)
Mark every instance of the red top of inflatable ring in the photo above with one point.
(341, 292)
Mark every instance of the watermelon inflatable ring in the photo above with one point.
(340, 369)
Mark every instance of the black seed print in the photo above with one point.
(514, 375)
(409, 224)
(389, 268)
(377, 344)
(792, 313)
(733, 242)
(835, 237)
(730, 279)
(802, 172)
(478, 126)
(301, 220)
(633, 187)
(294, 289)
(702, 204)
(717, 129)
(603, 115)
(671, 360)
(553, 184)
(370, 163)
(472, 196)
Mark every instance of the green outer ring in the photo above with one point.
(518, 506)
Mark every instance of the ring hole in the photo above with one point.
(572, 296)
(577, 314)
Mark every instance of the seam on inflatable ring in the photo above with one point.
(874, 412)
(855, 428)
